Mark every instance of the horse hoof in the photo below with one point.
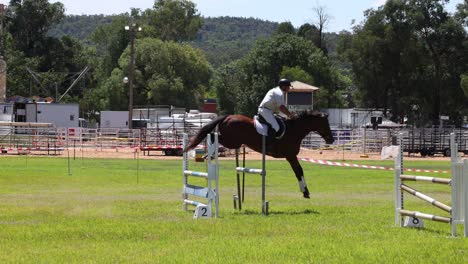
(306, 195)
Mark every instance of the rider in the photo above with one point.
(273, 103)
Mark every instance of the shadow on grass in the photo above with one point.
(303, 212)
(441, 233)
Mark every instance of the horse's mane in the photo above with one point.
(308, 113)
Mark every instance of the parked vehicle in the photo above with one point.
(431, 141)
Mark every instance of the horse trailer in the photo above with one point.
(431, 141)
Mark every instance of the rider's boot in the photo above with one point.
(270, 140)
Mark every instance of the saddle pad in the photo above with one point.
(262, 129)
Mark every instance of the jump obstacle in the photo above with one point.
(262, 172)
(207, 192)
(458, 211)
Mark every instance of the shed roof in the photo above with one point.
(298, 86)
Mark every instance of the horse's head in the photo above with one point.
(317, 122)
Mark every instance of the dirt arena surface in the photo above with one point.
(128, 153)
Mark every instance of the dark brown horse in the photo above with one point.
(236, 130)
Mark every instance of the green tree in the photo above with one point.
(17, 70)
(226, 39)
(462, 13)
(260, 70)
(227, 84)
(166, 73)
(296, 74)
(440, 36)
(310, 32)
(175, 20)
(111, 40)
(29, 48)
(28, 22)
(464, 84)
(285, 28)
(223, 39)
(404, 51)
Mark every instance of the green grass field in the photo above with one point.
(130, 211)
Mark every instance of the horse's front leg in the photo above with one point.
(296, 166)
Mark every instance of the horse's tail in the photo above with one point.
(201, 134)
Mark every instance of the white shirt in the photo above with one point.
(273, 99)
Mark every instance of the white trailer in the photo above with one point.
(6, 112)
(61, 115)
(114, 119)
(6, 115)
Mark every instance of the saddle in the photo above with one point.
(264, 128)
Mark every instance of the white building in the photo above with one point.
(114, 119)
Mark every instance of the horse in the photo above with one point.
(236, 130)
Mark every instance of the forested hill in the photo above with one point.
(228, 38)
(79, 26)
(222, 38)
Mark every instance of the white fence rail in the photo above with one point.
(54, 140)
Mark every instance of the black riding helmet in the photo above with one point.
(284, 82)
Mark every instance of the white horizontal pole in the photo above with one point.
(196, 173)
(251, 171)
(426, 216)
(425, 179)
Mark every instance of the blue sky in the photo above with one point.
(298, 12)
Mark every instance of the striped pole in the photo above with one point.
(251, 171)
(426, 179)
(196, 173)
(426, 216)
(459, 191)
(426, 198)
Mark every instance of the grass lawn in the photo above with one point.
(129, 211)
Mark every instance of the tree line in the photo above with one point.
(222, 39)
(408, 57)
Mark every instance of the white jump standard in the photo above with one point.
(208, 192)
(458, 212)
(262, 172)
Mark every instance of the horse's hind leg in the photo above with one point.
(296, 166)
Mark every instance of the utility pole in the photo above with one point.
(3, 66)
(133, 29)
(2, 33)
